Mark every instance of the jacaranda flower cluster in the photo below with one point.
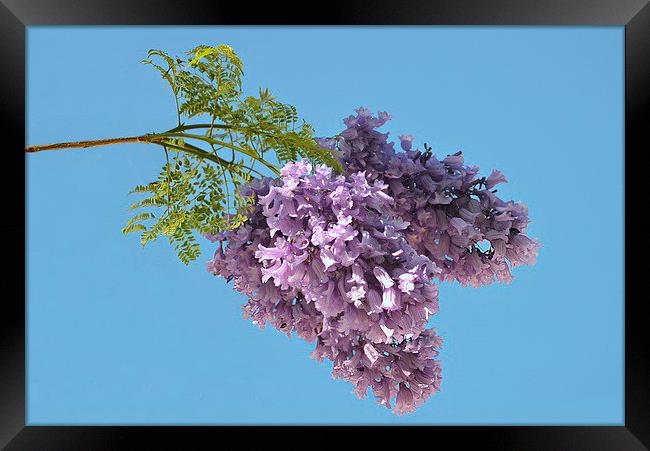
(350, 260)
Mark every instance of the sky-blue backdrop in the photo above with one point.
(122, 334)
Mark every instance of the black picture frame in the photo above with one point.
(16, 15)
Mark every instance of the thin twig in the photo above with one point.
(95, 143)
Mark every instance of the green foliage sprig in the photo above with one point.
(207, 162)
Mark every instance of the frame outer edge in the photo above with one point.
(12, 226)
(409, 12)
(12, 345)
(637, 111)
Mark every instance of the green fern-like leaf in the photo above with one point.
(198, 189)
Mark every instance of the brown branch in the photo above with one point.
(94, 143)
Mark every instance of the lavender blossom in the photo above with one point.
(349, 261)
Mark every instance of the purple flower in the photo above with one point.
(406, 141)
(494, 178)
(389, 299)
(406, 282)
(348, 261)
(404, 401)
(383, 277)
(371, 353)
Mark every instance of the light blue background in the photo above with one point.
(120, 334)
